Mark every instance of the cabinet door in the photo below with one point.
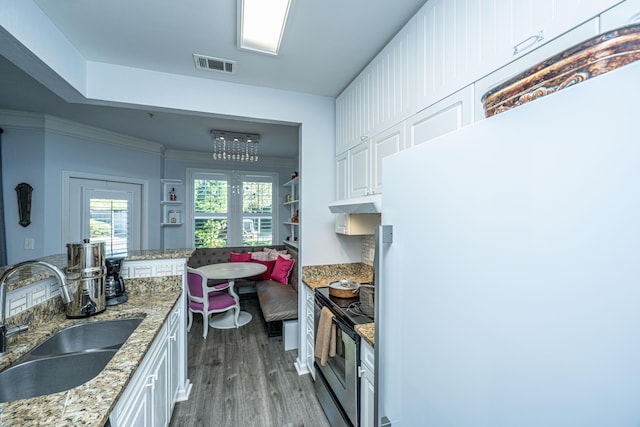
(624, 14)
(450, 50)
(139, 411)
(388, 142)
(342, 176)
(367, 387)
(359, 170)
(382, 95)
(448, 115)
(392, 81)
(573, 37)
(160, 388)
(174, 358)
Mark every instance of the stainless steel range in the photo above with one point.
(337, 382)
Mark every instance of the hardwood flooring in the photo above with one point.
(241, 377)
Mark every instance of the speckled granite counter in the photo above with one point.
(91, 403)
(319, 276)
(368, 332)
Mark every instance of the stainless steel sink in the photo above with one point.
(51, 374)
(66, 360)
(107, 334)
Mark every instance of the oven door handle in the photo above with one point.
(346, 329)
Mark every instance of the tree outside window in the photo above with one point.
(232, 209)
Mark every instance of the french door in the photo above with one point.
(105, 211)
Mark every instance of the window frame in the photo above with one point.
(235, 214)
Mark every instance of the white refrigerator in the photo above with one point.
(510, 293)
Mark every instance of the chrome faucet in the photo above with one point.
(6, 332)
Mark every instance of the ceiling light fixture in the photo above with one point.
(261, 24)
(235, 146)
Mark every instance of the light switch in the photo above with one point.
(29, 243)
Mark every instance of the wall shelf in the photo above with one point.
(292, 200)
(171, 217)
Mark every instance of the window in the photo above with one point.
(232, 209)
(108, 222)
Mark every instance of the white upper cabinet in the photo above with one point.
(342, 176)
(460, 41)
(382, 145)
(382, 95)
(450, 114)
(623, 14)
(359, 182)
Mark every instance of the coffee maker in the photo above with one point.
(114, 284)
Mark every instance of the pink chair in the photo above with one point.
(218, 299)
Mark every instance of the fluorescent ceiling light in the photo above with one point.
(262, 24)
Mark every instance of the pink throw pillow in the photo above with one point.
(236, 257)
(282, 269)
(267, 273)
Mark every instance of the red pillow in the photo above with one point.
(236, 257)
(267, 273)
(282, 269)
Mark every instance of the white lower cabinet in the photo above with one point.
(367, 385)
(309, 327)
(148, 399)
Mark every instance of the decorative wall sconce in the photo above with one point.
(24, 191)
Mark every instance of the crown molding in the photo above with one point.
(60, 126)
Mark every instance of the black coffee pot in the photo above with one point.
(115, 292)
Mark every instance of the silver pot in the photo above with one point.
(85, 274)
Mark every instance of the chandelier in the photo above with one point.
(235, 146)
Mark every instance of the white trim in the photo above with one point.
(144, 203)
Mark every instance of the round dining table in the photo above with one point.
(230, 271)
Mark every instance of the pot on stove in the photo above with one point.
(344, 289)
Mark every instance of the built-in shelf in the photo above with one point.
(292, 201)
(169, 212)
(292, 244)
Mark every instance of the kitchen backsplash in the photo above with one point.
(368, 249)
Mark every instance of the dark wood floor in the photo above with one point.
(241, 377)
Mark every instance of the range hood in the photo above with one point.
(358, 205)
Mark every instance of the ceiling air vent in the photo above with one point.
(214, 64)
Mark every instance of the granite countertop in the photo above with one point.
(319, 276)
(367, 331)
(91, 403)
(29, 274)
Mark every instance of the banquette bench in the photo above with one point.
(278, 302)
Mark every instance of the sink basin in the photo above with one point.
(52, 374)
(106, 334)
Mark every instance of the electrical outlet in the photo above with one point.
(29, 243)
